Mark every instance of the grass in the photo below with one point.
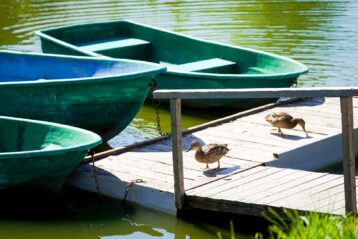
(313, 225)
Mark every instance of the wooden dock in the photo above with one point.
(261, 170)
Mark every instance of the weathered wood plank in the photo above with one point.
(332, 198)
(227, 206)
(314, 124)
(132, 169)
(218, 175)
(142, 193)
(242, 191)
(126, 177)
(205, 189)
(175, 115)
(335, 202)
(242, 131)
(349, 168)
(241, 184)
(152, 166)
(257, 93)
(271, 186)
(305, 197)
(188, 160)
(285, 187)
(292, 193)
(225, 182)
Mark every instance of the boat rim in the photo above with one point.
(304, 69)
(94, 141)
(155, 69)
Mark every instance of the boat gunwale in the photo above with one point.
(95, 140)
(155, 69)
(304, 69)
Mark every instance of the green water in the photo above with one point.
(322, 34)
(77, 214)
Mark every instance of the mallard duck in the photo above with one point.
(284, 120)
(209, 153)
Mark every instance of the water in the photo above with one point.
(77, 214)
(322, 34)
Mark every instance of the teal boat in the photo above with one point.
(40, 154)
(100, 95)
(191, 63)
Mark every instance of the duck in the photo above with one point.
(284, 120)
(209, 153)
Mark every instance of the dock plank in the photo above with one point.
(254, 175)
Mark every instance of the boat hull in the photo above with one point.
(40, 154)
(191, 63)
(165, 82)
(105, 104)
(105, 108)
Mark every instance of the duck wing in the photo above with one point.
(278, 117)
(284, 116)
(219, 149)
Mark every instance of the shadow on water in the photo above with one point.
(72, 213)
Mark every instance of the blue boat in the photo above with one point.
(100, 95)
(192, 63)
(40, 154)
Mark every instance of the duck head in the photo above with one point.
(301, 123)
(194, 145)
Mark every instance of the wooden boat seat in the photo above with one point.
(214, 65)
(123, 47)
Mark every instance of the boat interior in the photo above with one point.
(28, 136)
(176, 52)
(138, 49)
(21, 67)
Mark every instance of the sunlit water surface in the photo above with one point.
(322, 34)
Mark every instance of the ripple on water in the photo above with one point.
(321, 34)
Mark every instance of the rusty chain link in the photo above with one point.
(156, 103)
(94, 174)
(129, 186)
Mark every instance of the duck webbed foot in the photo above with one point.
(280, 132)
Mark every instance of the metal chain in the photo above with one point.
(129, 186)
(94, 174)
(156, 104)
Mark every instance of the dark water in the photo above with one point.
(76, 214)
(322, 34)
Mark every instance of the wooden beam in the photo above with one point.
(257, 93)
(177, 149)
(348, 155)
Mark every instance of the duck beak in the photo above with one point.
(304, 129)
(188, 149)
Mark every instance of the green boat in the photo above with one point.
(191, 63)
(40, 154)
(100, 95)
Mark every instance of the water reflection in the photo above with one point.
(77, 214)
(321, 34)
